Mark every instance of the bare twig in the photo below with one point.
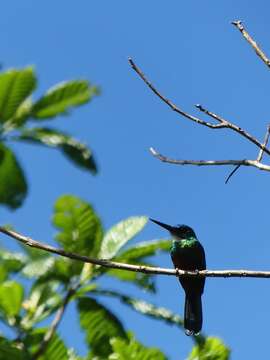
(130, 267)
(56, 321)
(244, 162)
(253, 43)
(229, 125)
(266, 138)
(169, 103)
(223, 124)
(232, 173)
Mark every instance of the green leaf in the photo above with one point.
(11, 297)
(62, 97)
(56, 349)
(132, 349)
(81, 230)
(75, 151)
(100, 325)
(11, 351)
(120, 234)
(15, 87)
(212, 348)
(13, 186)
(12, 261)
(37, 267)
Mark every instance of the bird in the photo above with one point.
(187, 253)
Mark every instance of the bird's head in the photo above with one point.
(179, 231)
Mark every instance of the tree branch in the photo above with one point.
(223, 124)
(130, 267)
(56, 321)
(244, 162)
(239, 25)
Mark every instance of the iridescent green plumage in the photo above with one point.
(187, 253)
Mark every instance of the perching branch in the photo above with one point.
(257, 49)
(129, 267)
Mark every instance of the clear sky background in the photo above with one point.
(193, 55)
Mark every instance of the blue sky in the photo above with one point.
(193, 55)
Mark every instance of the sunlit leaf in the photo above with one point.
(212, 348)
(15, 87)
(81, 229)
(62, 97)
(132, 349)
(11, 297)
(120, 234)
(13, 187)
(75, 151)
(37, 267)
(12, 261)
(99, 325)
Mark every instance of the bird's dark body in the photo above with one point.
(188, 254)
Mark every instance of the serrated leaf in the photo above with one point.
(11, 351)
(13, 186)
(99, 325)
(133, 350)
(212, 348)
(75, 151)
(56, 349)
(11, 297)
(62, 97)
(15, 87)
(81, 230)
(120, 234)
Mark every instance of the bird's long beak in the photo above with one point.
(165, 226)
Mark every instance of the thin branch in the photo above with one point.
(244, 162)
(252, 42)
(56, 321)
(229, 125)
(170, 103)
(134, 268)
(223, 124)
(266, 138)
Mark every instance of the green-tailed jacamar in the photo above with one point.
(188, 254)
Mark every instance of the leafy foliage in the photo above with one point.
(100, 326)
(211, 349)
(11, 297)
(56, 349)
(9, 351)
(15, 87)
(17, 109)
(77, 152)
(62, 97)
(132, 349)
(81, 229)
(120, 234)
(13, 187)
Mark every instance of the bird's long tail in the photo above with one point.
(193, 314)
